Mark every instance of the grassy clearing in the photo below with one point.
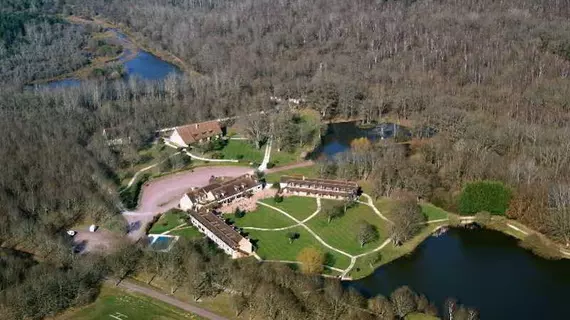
(298, 207)
(262, 217)
(342, 232)
(168, 220)
(432, 212)
(113, 301)
(187, 232)
(275, 245)
(242, 150)
(148, 156)
(281, 158)
(309, 172)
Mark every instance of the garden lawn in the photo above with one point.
(342, 232)
(309, 172)
(113, 301)
(167, 221)
(432, 212)
(262, 217)
(242, 150)
(281, 158)
(298, 207)
(187, 233)
(274, 245)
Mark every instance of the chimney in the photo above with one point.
(303, 177)
(196, 126)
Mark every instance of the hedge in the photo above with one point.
(490, 196)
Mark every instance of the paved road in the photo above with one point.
(155, 294)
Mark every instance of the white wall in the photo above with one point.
(186, 203)
(177, 139)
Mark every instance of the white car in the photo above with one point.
(71, 232)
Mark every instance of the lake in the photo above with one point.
(483, 269)
(340, 135)
(142, 65)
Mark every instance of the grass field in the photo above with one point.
(114, 303)
(341, 233)
(432, 212)
(168, 221)
(310, 172)
(188, 233)
(298, 207)
(242, 150)
(281, 158)
(274, 245)
(262, 217)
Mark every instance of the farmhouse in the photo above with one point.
(322, 188)
(220, 192)
(186, 135)
(222, 234)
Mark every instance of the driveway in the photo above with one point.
(162, 194)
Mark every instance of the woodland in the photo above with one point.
(490, 77)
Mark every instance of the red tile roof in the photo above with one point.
(192, 133)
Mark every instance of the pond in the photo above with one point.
(340, 135)
(483, 269)
(138, 63)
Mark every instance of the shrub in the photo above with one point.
(270, 165)
(491, 196)
(217, 155)
(278, 198)
(483, 218)
(239, 156)
(239, 213)
(276, 185)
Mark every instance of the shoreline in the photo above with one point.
(500, 224)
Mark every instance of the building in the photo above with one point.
(322, 188)
(220, 192)
(184, 136)
(222, 234)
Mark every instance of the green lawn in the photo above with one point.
(167, 221)
(149, 155)
(274, 245)
(188, 233)
(342, 232)
(262, 217)
(120, 304)
(281, 158)
(432, 212)
(242, 150)
(298, 207)
(310, 171)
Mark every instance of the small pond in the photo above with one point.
(340, 135)
(483, 269)
(142, 65)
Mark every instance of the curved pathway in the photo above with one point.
(370, 203)
(292, 226)
(134, 178)
(193, 156)
(299, 223)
